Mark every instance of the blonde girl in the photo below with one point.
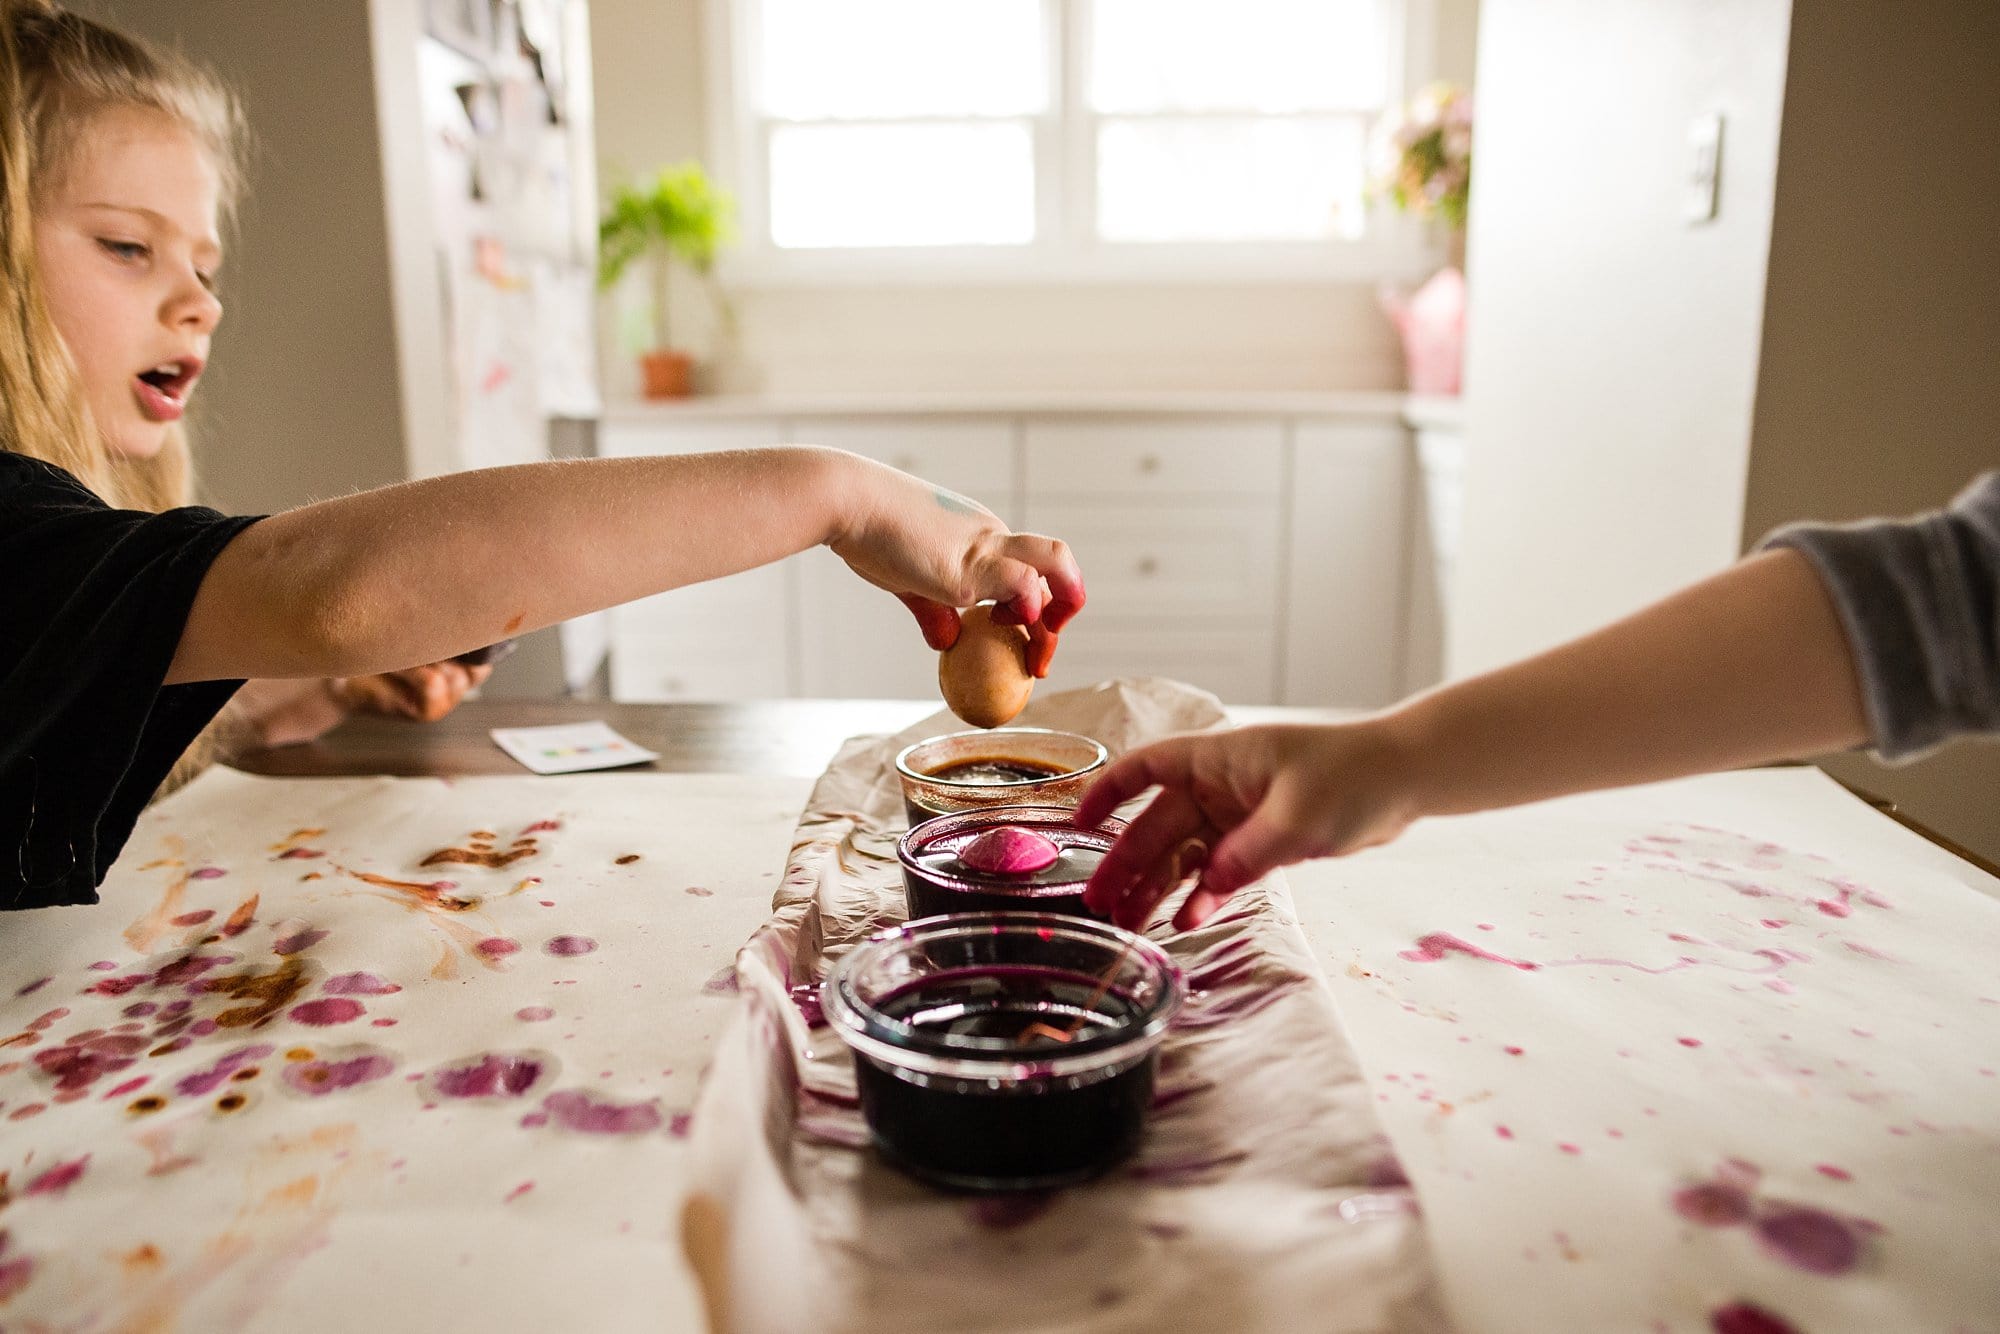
(129, 619)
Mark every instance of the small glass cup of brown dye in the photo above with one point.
(1001, 766)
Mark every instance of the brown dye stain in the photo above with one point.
(487, 834)
(6, 1195)
(312, 875)
(158, 862)
(248, 1072)
(268, 993)
(28, 1039)
(626, 860)
(295, 838)
(478, 857)
(142, 934)
(145, 1257)
(147, 1105)
(230, 1102)
(299, 1054)
(240, 920)
(428, 894)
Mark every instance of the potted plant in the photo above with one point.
(1424, 168)
(676, 216)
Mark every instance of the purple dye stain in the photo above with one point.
(806, 997)
(204, 1082)
(203, 873)
(318, 1077)
(34, 986)
(722, 982)
(103, 966)
(568, 947)
(326, 1012)
(498, 947)
(1809, 1239)
(1435, 946)
(491, 1075)
(358, 984)
(195, 918)
(297, 939)
(59, 1178)
(139, 1009)
(1747, 1318)
(1002, 1213)
(534, 1014)
(576, 1110)
(679, 1124)
(1713, 1204)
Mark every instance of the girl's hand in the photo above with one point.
(423, 694)
(939, 551)
(1238, 805)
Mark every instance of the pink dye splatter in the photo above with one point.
(498, 947)
(1689, 1042)
(679, 1124)
(103, 966)
(207, 873)
(316, 1078)
(195, 918)
(129, 1086)
(204, 1082)
(576, 1110)
(1569, 1148)
(328, 1011)
(1433, 947)
(59, 1178)
(568, 947)
(359, 984)
(1831, 1172)
(1747, 1318)
(534, 1014)
(1503, 1132)
(518, 1192)
(1713, 1204)
(722, 982)
(297, 940)
(492, 1075)
(542, 827)
(1810, 1239)
(299, 854)
(1513, 1051)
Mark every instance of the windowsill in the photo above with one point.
(1372, 405)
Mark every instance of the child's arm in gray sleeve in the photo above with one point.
(1920, 602)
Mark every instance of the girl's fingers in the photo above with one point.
(939, 623)
(1246, 854)
(1062, 578)
(1041, 649)
(1163, 763)
(1133, 875)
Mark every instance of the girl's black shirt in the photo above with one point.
(92, 604)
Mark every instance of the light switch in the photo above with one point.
(1704, 170)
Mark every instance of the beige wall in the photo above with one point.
(302, 398)
(1879, 389)
(651, 109)
(1612, 356)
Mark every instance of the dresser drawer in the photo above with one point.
(1167, 459)
(973, 458)
(747, 606)
(621, 440)
(1161, 561)
(1235, 659)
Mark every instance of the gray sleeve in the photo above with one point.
(1919, 600)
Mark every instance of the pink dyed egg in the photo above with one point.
(1009, 850)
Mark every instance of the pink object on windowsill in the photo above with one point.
(1431, 321)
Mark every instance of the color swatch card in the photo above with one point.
(570, 748)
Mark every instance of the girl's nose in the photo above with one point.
(193, 306)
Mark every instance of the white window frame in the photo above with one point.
(1394, 248)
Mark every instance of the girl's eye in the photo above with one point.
(126, 250)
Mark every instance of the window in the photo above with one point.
(1074, 138)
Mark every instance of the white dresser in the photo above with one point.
(1255, 545)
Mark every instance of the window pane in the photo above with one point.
(886, 185)
(1270, 56)
(848, 59)
(1229, 180)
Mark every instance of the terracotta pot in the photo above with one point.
(667, 373)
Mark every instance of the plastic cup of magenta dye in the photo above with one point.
(1002, 766)
(1044, 860)
(1004, 1051)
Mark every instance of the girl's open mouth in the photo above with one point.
(163, 390)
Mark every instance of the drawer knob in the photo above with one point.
(1149, 463)
(1149, 565)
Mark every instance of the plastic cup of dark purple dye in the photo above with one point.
(991, 1053)
(1000, 766)
(937, 880)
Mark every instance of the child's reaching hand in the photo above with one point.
(1239, 805)
(939, 551)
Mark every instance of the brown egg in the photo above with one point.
(984, 676)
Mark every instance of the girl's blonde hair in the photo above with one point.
(57, 71)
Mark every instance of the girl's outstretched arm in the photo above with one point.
(424, 570)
